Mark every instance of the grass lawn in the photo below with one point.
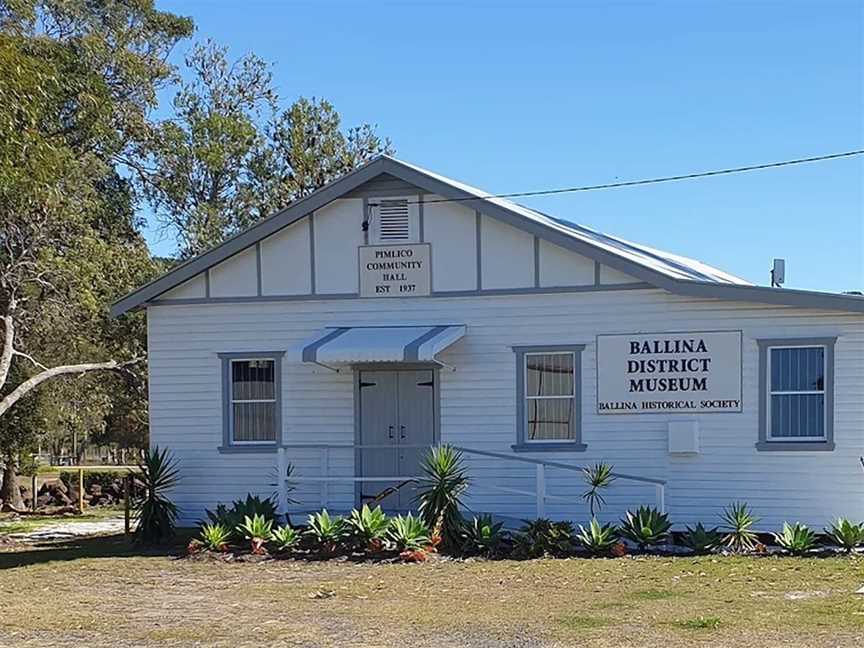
(102, 591)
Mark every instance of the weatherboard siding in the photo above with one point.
(478, 408)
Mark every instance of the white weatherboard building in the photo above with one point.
(395, 309)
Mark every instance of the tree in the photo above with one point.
(77, 84)
(229, 156)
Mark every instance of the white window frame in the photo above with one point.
(571, 397)
(823, 392)
(229, 443)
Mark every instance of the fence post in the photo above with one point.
(541, 490)
(661, 497)
(80, 490)
(33, 485)
(127, 490)
(281, 477)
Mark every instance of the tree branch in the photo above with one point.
(32, 383)
(6, 354)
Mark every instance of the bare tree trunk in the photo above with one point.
(10, 494)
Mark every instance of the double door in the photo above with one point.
(397, 426)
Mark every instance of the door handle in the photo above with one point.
(390, 432)
(401, 431)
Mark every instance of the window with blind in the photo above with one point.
(797, 393)
(251, 398)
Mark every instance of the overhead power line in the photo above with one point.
(650, 181)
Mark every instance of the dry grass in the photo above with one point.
(103, 592)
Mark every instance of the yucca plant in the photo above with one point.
(154, 513)
(598, 538)
(796, 538)
(257, 530)
(327, 532)
(598, 478)
(215, 537)
(285, 538)
(846, 534)
(440, 494)
(702, 540)
(646, 526)
(408, 532)
(369, 527)
(483, 536)
(739, 521)
(543, 537)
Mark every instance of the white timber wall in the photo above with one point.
(478, 402)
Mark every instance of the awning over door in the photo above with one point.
(360, 344)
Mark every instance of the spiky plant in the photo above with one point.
(796, 538)
(327, 531)
(738, 522)
(701, 540)
(257, 530)
(408, 533)
(155, 514)
(543, 537)
(846, 534)
(646, 526)
(285, 538)
(598, 539)
(215, 537)
(369, 527)
(240, 509)
(598, 478)
(440, 494)
(483, 536)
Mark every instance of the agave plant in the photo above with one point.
(241, 509)
(408, 533)
(326, 531)
(369, 527)
(796, 538)
(598, 539)
(440, 494)
(598, 478)
(215, 537)
(483, 536)
(285, 538)
(702, 540)
(846, 534)
(739, 522)
(155, 514)
(646, 526)
(543, 537)
(257, 530)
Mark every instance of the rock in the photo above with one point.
(44, 500)
(95, 490)
(62, 499)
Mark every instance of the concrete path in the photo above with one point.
(70, 529)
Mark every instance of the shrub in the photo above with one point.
(483, 536)
(598, 539)
(797, 538)
(327, 532)
(542, 537)
(408, 533)
(846, 534)
(215, 537)
(702, 540)
(646, 527)
(739, 522)
(257, 530)
(598, 478)
(285, 538)
(440, 494)
(369, 527)
(241, 509)
(155, 514)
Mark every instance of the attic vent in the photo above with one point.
(393, 222)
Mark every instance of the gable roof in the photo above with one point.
(676, 274)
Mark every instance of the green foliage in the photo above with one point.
(215, 537)
(702, 540)
(257, 530)
(369, 526)
(285, 538)
(327, 532)
(155, 513)
(408, 532)
(646, 526)
(796, 538)
(738, 522)
(598, 478)
(598, 539)
(440, 494)
(241, 509)
(483, 536)
(846, 534)
(543, 537)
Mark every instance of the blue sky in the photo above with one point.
(521, 96)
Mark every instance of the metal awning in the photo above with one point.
(361, 344)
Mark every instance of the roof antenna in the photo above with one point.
(778, 273)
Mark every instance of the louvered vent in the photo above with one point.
(394, 224)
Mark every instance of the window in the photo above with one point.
(796, 386)
(251, 388)
(548, 398)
